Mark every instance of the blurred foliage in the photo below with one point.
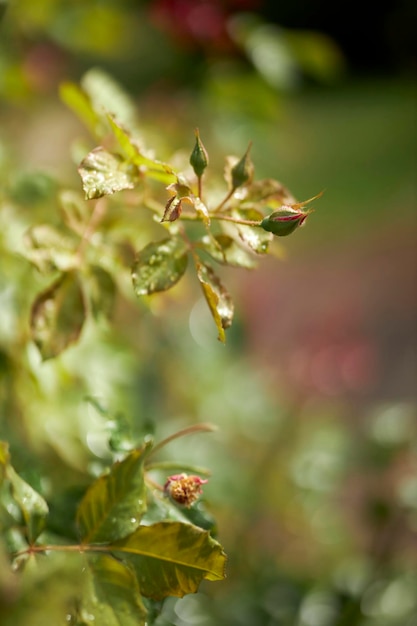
(315, 497)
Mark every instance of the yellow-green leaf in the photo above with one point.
(4, 459)
(117, 600)
(58, 315)
(254, 237)
(104, 173)
(218, 299)
(152, 168)
(76, 99)
(226, 250)
(159, 266)
(50, 249)
(114, 504)
(33, 507)
(172, 558)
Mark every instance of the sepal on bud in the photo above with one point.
(199, 156)
(242, 172)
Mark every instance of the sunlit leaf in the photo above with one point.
(117, 599)
(102, 291)
(218, 299)
(104, 173)
(49, 249)
(261, 190)
(152, 168)
(172, 558)
(224, 249)
(107, 96)
(77, 100)
(159, 266)
(255, 238)
(113, 505)
(58, 315)
(202, 211)
(33, 507)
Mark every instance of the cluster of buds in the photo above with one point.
(184, 489)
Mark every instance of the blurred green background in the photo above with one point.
(314, 483)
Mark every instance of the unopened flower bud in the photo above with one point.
(199, 157)
(242, 172)
(184, 489)
(284, 221)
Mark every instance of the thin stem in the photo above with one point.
(200, 187)
(190, 430)
(221, 216)
(235, 220)
(152, 483)
(169, 466)
(59, 548)
(96, 217)
(223, 202)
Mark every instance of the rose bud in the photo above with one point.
(199, 157)
(284, 221)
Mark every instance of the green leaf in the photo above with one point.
(49, 249)
(76, 212)
(254, 237)
(4, 459)
(172, 558)
(104, 173)
(33, 507)
(76, 99)
(202, 211)
(113, 505)
(218, 299)
(262, 190)
(159, 266)
(106, 95)
(224, 249)
(152, 168)
(102, 291)
(58, 315)
(117, 600)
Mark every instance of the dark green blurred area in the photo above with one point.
(314, 484)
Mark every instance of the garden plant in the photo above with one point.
(128, 526)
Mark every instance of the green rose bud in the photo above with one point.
(242, 172)
(199, 157)
(284, 221)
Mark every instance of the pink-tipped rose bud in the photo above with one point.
(184, 489)
(284, 221)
